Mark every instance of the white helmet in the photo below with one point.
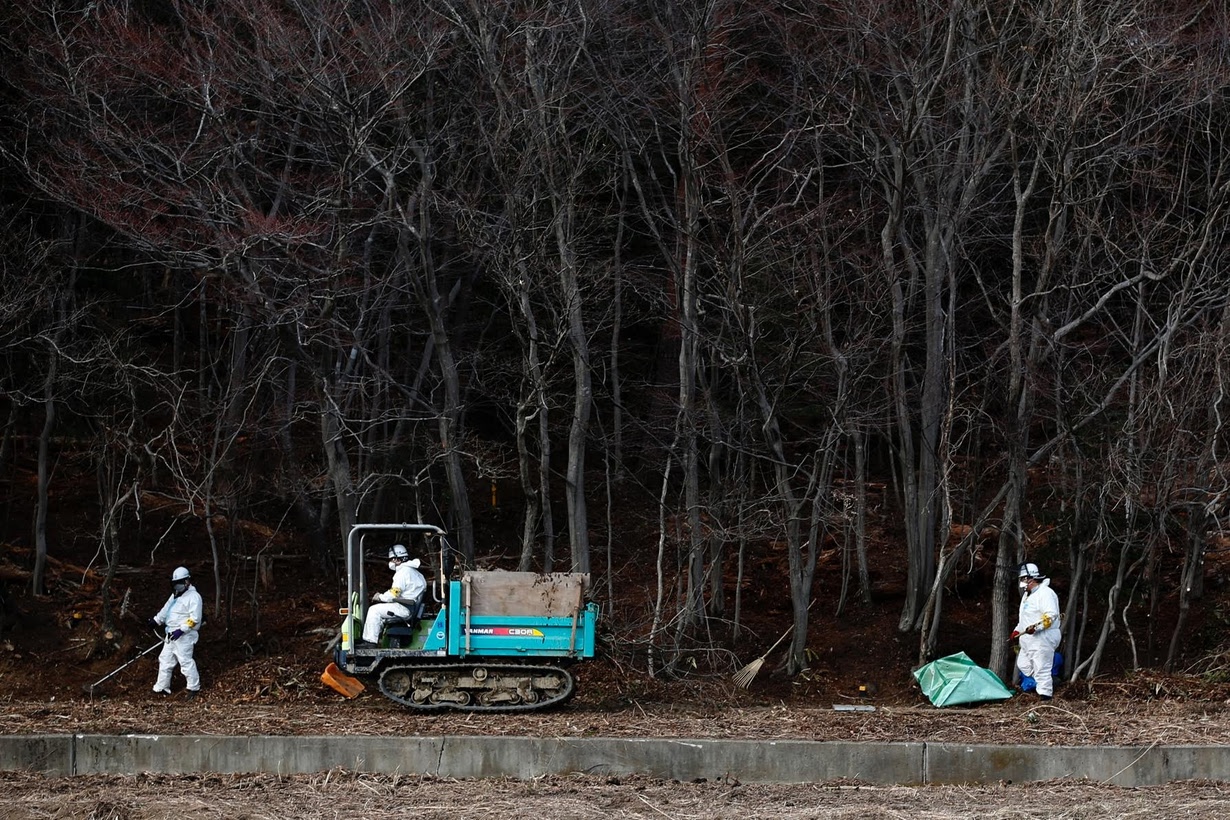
(399, 552)
(1031, 571)
(180, 581)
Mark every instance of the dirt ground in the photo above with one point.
(721, 713)
(266, 681)
(261, 674)
(279, 696)
(261, 661)
(341, 794)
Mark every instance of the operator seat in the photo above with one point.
(400, 631)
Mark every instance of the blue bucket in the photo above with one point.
(1028, 684)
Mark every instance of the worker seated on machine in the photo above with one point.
(401, 601)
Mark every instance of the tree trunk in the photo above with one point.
(417, 229)
(38, 580)
(340, 476)
(578, 433)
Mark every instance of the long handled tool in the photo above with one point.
(89, 687)
(1045, 623)
(747, 674)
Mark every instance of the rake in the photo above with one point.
(89, 687)
(744, 677)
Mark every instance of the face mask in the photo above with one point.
(393, 565)
(180, 587)
(1024, 586)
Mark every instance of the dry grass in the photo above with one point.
(341, 794)
(1119, 720)
(1142, 712)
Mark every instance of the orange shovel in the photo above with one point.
(340, 682)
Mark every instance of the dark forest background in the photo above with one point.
(924, 285)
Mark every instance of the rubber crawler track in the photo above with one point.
(399, 681)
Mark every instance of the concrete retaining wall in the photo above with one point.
(38, 753)
(1116, 765)
(747, 761)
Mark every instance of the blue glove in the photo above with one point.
(177, 634)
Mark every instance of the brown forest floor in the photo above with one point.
(372, 797)
(265, 680)
(262, 673)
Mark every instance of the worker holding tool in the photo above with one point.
(181, 617)
(1037, 628)
(402, 598)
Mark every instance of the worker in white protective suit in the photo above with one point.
(1037, 628)
(181, 617)
(402, 598)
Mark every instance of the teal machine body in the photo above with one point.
(486, 640)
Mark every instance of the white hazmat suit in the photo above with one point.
(408, 585)
(1040, 610)
(182, 614)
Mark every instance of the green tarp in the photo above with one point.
(956, 679)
